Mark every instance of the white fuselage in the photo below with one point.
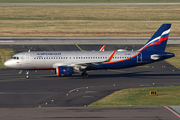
(52, 59)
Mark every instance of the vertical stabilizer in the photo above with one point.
(159, 40)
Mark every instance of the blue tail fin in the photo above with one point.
(159, 40)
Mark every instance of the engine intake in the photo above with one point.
(64, 71)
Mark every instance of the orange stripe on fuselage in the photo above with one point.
(121, 60)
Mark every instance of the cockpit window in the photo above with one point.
(17, 58)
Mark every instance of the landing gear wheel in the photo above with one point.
(85, 75)
(27, 74)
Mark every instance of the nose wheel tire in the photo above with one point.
(27, 74)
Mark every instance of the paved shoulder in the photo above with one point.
(76, 113)
(78, 40)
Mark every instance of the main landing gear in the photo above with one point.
(84, 74)
(27, 74)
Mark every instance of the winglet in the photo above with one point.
(103, 48)
(112, 55)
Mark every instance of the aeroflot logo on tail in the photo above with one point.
(48, 53)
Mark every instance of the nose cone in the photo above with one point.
(7, 63)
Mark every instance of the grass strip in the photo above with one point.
(88, 1)
(166, 96)
(87, 21)
(5, 54)
(175, 60)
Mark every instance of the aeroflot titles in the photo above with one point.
(48, 53)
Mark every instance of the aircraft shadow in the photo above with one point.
(144, 74)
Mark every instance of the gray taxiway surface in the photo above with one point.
(56, 96)
(79, 113)
(45, 86)
(46, 96)
(79, 40)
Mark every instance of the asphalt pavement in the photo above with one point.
(46, 96)
(80, 40)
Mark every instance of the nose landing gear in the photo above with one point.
(27, 74)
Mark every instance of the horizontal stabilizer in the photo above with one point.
(162, 56)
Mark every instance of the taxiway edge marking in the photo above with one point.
(172, 111)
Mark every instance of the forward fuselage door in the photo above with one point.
(27, 58)
(139, 58)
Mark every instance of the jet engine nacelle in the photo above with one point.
(64, 71)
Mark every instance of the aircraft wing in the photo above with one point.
(100, 62)
(88, 64)
(85, 64)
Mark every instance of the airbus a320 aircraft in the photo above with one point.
(66, 63)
